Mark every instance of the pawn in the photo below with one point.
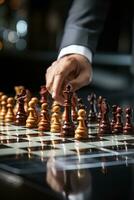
(81, 131)
(31, 121)
(3, 107)
(44, 123)
(9, 118)
(56, 120)
(35, 101)
(128, 127)
(118, 127)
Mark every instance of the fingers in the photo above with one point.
(57, 77)
(73, 69)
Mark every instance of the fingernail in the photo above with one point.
(53, 94)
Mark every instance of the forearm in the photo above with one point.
(85, 22)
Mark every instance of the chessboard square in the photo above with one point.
(73, 145)
(39, 148)
(56, 141)
(23, 144)
(41, 138)
(116, 158)
(53, 153)
(121, 148)
(105, 143)
(11, 151)
(13, 140)
(6, 137)
(119, 137)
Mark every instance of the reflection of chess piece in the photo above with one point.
(70, 182)
(81, 131)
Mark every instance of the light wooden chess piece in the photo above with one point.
(31, 121)
(44, 123)
(10, 112)
(81, 131)
(3, 107)
(35, 101)
(56, 120)
(1, 94)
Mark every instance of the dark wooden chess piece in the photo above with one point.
(44, 94)
(99, 116)
(92, 115)
(21, 116)
(118, 127)
(67, 126)
(114, 108)
(74, 108)
(128, 127)
(104, 126)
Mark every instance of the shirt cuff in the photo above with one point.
(78, 49)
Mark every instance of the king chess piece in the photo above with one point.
(67, 126)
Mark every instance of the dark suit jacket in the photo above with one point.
(85, 22)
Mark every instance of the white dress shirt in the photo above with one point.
(78, 49)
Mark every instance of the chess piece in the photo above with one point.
(56, 120)
(1, 94)
(128, 127)
(27, 99)
(81, 131)
(18, 91)
(74, 108)
(114, 108)
(92, 115)
(104, 126)
(80, 104)
(35, 102)
(99, 116)
(44, 94)
(68, 126)
(44, 123)
(9, 118)
(31, 121)
(21, 116)
(3, 107)
(118, 127)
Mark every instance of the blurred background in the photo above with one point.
(30, 35)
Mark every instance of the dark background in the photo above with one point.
(24, 58)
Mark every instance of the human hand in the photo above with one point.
(71, 69)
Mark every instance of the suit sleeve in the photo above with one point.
(85, 23)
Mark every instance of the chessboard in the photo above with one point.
(32, 135)
(24, 150)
